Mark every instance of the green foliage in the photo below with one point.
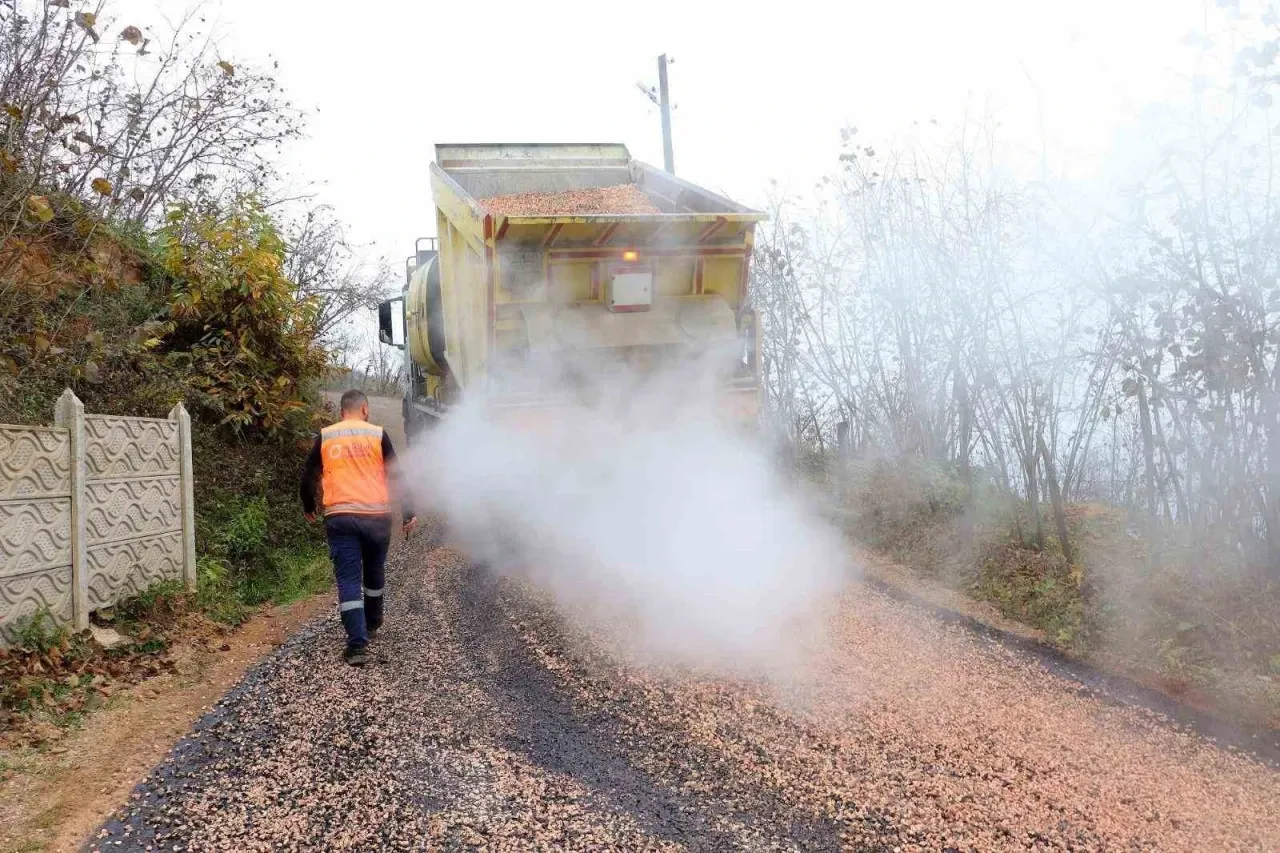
(1038, 590)
(287, 576)
(237, 327)
(244, 534)
(39, 633)
(216, 592)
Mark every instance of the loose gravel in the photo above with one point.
(624, 198)
(488, 722)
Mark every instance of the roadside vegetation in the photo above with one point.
(1059, 396)
(148, 255)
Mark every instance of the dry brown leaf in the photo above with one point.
(132, 35)
(227, 68)
(101, 186)
(39, 207)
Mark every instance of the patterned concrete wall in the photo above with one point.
(35, 523)
(92, 512)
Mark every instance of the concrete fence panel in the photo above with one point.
(92, 511)
(35, 524)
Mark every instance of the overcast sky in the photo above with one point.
(762, 89)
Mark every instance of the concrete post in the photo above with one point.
(179, 414)
(70, 416)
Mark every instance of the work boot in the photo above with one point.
(373, 631)
(356, 655)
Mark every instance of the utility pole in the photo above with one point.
(668, 159)
(662, 98)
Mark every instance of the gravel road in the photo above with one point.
(487, 722)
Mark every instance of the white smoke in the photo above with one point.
(642, 513)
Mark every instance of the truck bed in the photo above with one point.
(478, 175)
(623, 198)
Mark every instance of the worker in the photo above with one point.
(349, 461)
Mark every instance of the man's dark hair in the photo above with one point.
(352, 400)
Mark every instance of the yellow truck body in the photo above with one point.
(500, 291)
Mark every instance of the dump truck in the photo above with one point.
(551, 260)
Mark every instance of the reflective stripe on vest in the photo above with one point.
(352, 473)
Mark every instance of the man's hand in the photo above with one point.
(409, 525)
(310, 517)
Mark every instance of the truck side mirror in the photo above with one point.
(386, 324)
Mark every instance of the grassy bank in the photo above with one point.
(1163, 605)
(253, 544)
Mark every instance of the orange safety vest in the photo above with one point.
(353, 477)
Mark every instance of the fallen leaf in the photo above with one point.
(101, 186)
(8, 162)
(14, 111)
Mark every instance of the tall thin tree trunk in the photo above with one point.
(1031, 465)
(1148, 448)
(1055, 495)
(1149, 456)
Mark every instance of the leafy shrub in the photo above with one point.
(237, 327)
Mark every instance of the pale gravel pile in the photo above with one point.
(624, 198)
(490, 724)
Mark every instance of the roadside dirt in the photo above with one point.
(50, 800)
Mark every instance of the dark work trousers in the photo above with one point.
(358, 545)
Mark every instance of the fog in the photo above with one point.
(644, 515)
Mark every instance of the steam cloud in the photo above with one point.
(640, 511)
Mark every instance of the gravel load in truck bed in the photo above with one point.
(624, 198)
(488, 722)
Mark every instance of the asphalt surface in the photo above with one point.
(488, 722)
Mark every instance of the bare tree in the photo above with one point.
(324, 265)
(135, 118)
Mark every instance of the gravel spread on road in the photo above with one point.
(624, 198)
(488, 722)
